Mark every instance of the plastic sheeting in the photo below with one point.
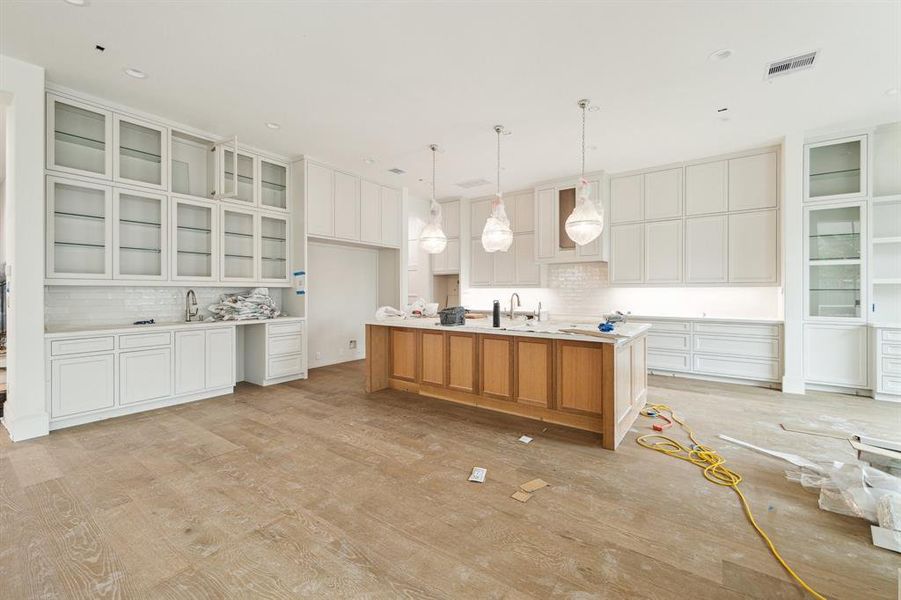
(255, 304)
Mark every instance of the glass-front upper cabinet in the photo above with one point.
(240, 187)
(836, 169)
(140, 249)
(79, 229)
(192, 166)
(239, 245)
(140, 156)
(836, 261)
(79, 136)
(273, 248)
(194, 231)
(273, 185)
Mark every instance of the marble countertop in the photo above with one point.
(65, 331)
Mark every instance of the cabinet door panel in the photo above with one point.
(528, 272)
(836, 354)
(452, 256)
(79, 138)
(145, 375)
(753, 247)
(320, 200)
(580, 382)
(627, 199)
(534, 372)
(663, 194)
(195, 232)
(403, 353)
(481, 270)
(663, 252)
(504, 266)
(347, 206)
(523, 217)
(461, 362)
(370, 212)
(705, 188)
(190, 361)
(140, 155)
(546, 223)
(433, 359)
(82, 384)
(451, 213)
(391, 207)
(239, 243)
(220, 357)
(627, 253)
(79, 230)
(140, 235)
(706, 249)
(753, 182)
(496, 370)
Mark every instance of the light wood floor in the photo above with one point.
(314, 489)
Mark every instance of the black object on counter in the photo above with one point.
(496, 314)
(454, 315)
(147, 322)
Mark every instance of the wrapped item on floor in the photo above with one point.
(255, 304)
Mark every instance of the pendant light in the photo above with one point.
(432, 238)
(497, 235)
(586, 222)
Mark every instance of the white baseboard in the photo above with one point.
(26, 428)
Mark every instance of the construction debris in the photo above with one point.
(521, 496)
(525, 439)
(535, 484)
(478, 474)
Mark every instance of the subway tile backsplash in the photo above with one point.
(96, 305)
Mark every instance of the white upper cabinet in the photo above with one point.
(79, 229)
(195, 232)
(523, 217)
(274, 244)
(705, 188)
(528, 271)
(239, 244)
(347, 206)
(79, 138)
(663, 252)
(370, 212)
(544, 214)
(752, 182)
(553, 205)
(663, 194)
(141, 154)
(753, 247)
(478, 211)
(627, 253)
(448, 262)
(273, 192)
(192, 166)
(320, 194)
(627, 199)
(836, 169)
(240, 188)
(451, 212)
(140, 235)
(482, 270)
(452, 252)
(706, 249)
(391, 216)
(504, 266)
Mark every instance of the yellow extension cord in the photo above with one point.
(714, 471)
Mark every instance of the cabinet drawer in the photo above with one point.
(668, 326)
(283, 366)
(81, 345)
(740, 368)
(669, 341)
(286, 344)
(736, 346)
(891, 335)
(891, 349)
(891, 366)
(145, 340)
(276, 329)
(668, 361)
(891, 385)
(761, 330)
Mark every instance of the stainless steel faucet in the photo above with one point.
(518, 303)
(191, 308)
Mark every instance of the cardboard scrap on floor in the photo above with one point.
(535, 484)
(525, 439)
(521, 496)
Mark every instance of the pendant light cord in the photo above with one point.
(499, 129)
(434, 168)
(584, 107)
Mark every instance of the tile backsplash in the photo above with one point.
(95, 305)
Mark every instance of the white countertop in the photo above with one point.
(708, 318)
(621, 333)
(65, 331)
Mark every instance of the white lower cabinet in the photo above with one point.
(82, 384)
(220, 358)
(190, 361)
(278, 351)
(836, 354)
(145, 375)
(887, 364)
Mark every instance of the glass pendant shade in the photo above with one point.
(432, 238)
(586, 222)
(497, 236)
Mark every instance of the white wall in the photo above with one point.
(342, 296)
(22, 91)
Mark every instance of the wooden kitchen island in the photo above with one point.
(591, 383)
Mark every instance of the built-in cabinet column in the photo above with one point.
(448, 262)
(515, 267)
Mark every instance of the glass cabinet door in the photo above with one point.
(195, 229)
(273, 185)
(835, 262)
(79, 137)
(243, 187)
(836, 169)
(239, 245)
(192, 167)
(273, 248)
(79, 229)
(140, 249)
(140, 152)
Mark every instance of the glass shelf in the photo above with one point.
(194, 252)
(140, 154)
(274, 239)
(72, 138)
(851, 260)
(238, 256)
(136, 222)
(854, 290)
(839, 172)
(80, 245)
(274, 258)
(60, 213)
(244, 178)
(239, 234)
(137, 249)
(832, 235)
(275, 186)
(199, 229)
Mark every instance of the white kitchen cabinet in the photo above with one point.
(79, 138)
(663, 251)
(452, 252)
(627, 199)
(481, 272)
(836, 354)
(370, 212)
(753, 183)
(706, 249)
(545, 212)
(753, 247)
(79, 229)
(273, 191)
(320, 195)
(347, 206)
(82, 384)
(190, 361)
(239, 244)
(274, 244)
(504, 270)
(195, 231)
(145, 375)
(141, 152)
(528, 271)
(836, 261)
(836, 169)
(391, 216)
(192, 166)
(886, 365)
(140, 235)
(553, 205)
(663, 194)
(627, 253)
(241, 187)
(450, 210)
(219, 366)
(706, 188)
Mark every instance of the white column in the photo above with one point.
(793, 262)
(22, 94)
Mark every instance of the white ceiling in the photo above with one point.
(350, 80)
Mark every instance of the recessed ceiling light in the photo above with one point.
(594, 108)
(272, 125)
(77, 2)
(369, 161)
(891, 92)
(136, 73)
(721, 54)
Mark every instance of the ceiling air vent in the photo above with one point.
(396, 171)
(790, 65)
(473, 183)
